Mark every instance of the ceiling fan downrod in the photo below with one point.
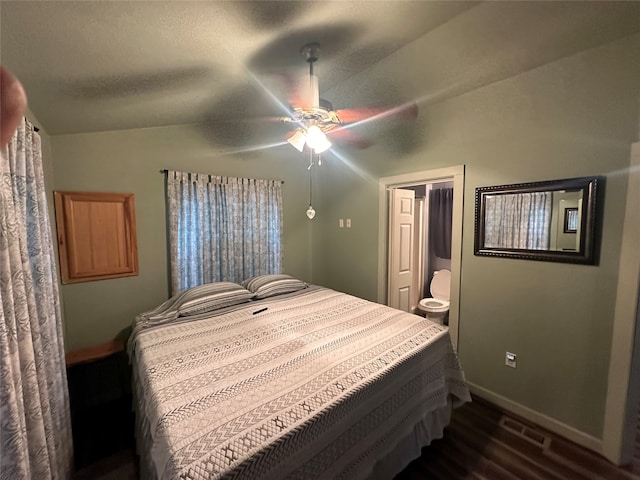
(311, 53)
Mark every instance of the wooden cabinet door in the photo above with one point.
(96, 235)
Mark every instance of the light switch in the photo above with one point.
(348, 223)
(341, 223)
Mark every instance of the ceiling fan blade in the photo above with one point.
(315, 91)
(283, 119)
(302, 91)
(251, 120)
(292, 91)
(406, 111)
(237, 131)
(310, 97)
(348, 136)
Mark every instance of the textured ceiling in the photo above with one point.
(94, 66)
(90, 66)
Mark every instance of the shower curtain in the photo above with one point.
(35, 427)
(440, 221)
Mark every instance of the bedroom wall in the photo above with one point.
(574, 117)
(130, 161)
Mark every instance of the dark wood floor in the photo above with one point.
(482, 443)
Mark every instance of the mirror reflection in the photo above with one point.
(551, 220)
(547, 220)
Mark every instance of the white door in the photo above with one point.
(419, 252)
(401, 239)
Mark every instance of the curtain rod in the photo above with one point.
(35, 129)
(164, 170)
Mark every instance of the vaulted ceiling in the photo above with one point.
(93, 66)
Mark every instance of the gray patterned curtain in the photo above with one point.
(521, 220)
(222, 228)
(35, 428)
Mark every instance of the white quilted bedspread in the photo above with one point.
(319, 385)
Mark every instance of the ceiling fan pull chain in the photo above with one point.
(310, 211)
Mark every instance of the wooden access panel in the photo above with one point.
(96, 235)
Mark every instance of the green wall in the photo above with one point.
(130, 161)
(571, 118)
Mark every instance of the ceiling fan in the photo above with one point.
(315, 120)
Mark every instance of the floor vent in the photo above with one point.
(529, 434)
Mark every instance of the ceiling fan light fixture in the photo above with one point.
(317, 140)
(297, 140)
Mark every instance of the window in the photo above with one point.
(222, 228)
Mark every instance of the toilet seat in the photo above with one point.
(433, 305)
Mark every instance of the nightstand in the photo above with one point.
(100, 396)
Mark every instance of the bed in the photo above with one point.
(277, 379)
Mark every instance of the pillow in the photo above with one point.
(212, 296)
(264, 286)
(200, 299)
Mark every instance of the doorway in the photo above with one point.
(419, 240)
(455, 175)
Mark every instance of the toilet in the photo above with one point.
(436, 308)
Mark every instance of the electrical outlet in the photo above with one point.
(341, 223)
(510, 360)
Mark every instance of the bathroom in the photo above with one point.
(430, 255)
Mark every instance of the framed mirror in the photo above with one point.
(554, 221)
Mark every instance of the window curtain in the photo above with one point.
(520, 220)
(35, 427)
(440, 220)
(222, 228)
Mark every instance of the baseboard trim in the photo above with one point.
(551, 424)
